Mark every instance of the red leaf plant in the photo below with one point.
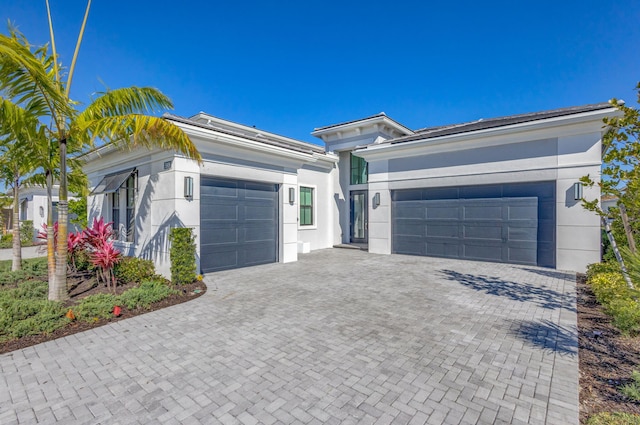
(103, 255)
(75, 241)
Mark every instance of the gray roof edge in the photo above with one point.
(484, 124)
(299, 146)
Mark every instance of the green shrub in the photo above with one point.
(608, 286)
(131, 269)
(625, 313)
(82, 260)
(606, 267)
(616, 418)
(182, 255)
(632, 389)
(35, 268)
(149, 292)
(99, 306)
(25, 310)
(26, 231)
(7, 238)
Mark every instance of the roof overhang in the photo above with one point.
(588, 122)
(376, 122)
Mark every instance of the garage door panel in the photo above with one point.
(257, 253)
(524, 212)
(442, 229)
(409, 228)
(485, 212)
(516, 233)
(503, 229)
(442, 248)
(485, 231)
(416, 212)
(411, 246)
(220, 259)
(259, 212)
(239, 224)
(219, 236)
(483, 250)
(219, 212)
(442, 211)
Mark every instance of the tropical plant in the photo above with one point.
(119, 115)
(182, 255)
(103, 255)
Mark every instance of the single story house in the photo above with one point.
(33, 206)
(504, 189)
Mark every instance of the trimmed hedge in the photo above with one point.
(132, 269)
(182, 255)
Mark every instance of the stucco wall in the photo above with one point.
(563, 159)
(321, 234)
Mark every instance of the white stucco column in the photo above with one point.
(289, 232)
(578, 233)
(379, 215)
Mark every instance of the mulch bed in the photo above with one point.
(83, 285)
(607, 358)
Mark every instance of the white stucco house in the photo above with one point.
(503, 189)
(33, 205)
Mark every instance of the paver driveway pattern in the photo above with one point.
(341, 336)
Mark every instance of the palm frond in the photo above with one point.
(136, 130)
(25, 77)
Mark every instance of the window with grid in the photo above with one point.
(115, 213)
(358, 170)
(130, 205)
(306, 206)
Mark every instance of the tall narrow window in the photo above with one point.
(131, 198)
(359, 168)
(306, 206)
(115, 214)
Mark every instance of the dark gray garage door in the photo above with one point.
(238, 223)
(460, 223)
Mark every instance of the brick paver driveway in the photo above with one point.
(341, 336)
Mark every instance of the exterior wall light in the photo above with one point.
(188, 187)
(292, 195)
(41, 209)
(376, 200)
(577, 191)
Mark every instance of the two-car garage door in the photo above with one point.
(510, 223)
(238, 223)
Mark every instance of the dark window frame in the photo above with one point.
(306, 209)
(359, 170)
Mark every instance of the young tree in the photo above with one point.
(122, 115)
(621, 171)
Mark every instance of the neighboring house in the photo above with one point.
(498, 190)
(33, 205)
(608, 201)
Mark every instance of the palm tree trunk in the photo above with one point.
(16, 264)
(51, 254)
(60, 291)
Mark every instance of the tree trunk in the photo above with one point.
(60, 292)
(16, 264)
(627, 228)
(51, 254)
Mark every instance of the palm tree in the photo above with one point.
(121, 115)
(18, 130)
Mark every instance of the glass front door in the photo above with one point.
(359, 219)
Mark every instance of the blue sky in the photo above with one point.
(288, 67)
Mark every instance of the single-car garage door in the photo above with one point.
(238, 223)
(466, 223)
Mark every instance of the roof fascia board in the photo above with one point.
(211, 135)
(362, 123)
(584, 123)
(245, 128)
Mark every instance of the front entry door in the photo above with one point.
(359, 216)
